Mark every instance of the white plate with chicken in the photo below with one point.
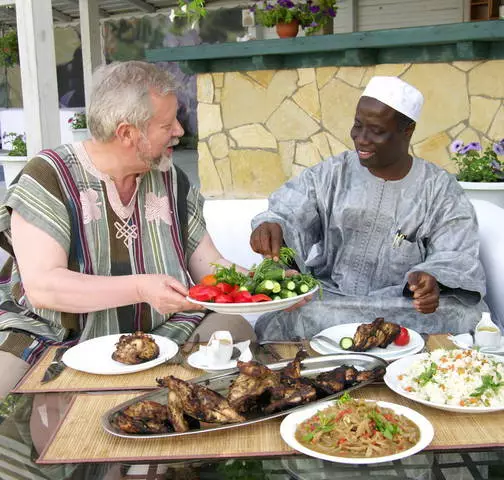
(134, 353)
(375, 338)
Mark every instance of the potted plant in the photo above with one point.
(16, 159)
(9, 50)
(480, 171)
(288, 15)
(78, 124)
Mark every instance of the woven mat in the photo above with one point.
(82, 422)
(71, 380)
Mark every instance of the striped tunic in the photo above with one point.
(59, 194)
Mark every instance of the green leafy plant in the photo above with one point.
(78, 121)
(8, 405)
(476, 164)
(193, 10)
(9, 50)
(18, 144)
(312, 16)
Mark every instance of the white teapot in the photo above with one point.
(487, 333)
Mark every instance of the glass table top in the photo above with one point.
(24, 431)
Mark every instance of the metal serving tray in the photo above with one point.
(220, 382)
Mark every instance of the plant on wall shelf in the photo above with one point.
(311, 15)
(193, 10)
(18, 144)
(78, 121)
(476, 164)
(9, 50)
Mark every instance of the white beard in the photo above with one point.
(164, 164)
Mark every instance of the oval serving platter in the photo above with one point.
(220, 382)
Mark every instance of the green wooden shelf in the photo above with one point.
(440, 43)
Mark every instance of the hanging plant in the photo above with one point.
(9, 50)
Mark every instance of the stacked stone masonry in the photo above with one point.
(258, 129)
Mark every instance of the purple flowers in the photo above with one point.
(286, 3)
(476, 164)
(472, 146)
(456, 145)
(498, 148)
(309, 15)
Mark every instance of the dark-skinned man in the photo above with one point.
(388, 235)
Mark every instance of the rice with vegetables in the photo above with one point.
(357, 428)
(464, 378)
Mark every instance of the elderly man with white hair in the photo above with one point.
(387, 234)
(105, 236)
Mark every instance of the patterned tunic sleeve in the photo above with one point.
(38, 198)
(195, 220)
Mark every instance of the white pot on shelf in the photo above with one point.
(80, 134)
(490, 191)
(12, 166)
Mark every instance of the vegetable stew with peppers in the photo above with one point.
(265, 282)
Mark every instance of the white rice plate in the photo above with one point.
(456, 375)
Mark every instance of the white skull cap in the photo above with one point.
(396, 93)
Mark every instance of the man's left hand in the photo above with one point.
(425, 290)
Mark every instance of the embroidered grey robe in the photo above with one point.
(342, 221)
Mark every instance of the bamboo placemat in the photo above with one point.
(71, 380)
(452, 431)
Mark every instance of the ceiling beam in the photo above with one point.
(144, 6)
(60, 16)
(102, 12)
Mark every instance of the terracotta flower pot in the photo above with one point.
(287, 30)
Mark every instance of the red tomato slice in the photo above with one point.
(225, 287)
(202, 293)
(403, 338)
(242, 296)
(224, 298)
(260, 297)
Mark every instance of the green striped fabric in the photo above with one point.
(48, 195)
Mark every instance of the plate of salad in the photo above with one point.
(268, 287)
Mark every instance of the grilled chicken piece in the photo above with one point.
(336, 380)
(144, 417)
(146, 409)
(376, 334)
(201, 402)
(375, 374)
(364, 337)
(391, 331)
(285, 396)
(135, 348)
(175, 412)
(293, 369)
(253, 381)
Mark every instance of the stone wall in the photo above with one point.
(258, 129)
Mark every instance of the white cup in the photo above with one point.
(219, 348)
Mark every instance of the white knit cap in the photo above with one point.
(396, 93)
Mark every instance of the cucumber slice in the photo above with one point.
(346, 343)
(276, 287)
(289, 285)
(288, 294)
